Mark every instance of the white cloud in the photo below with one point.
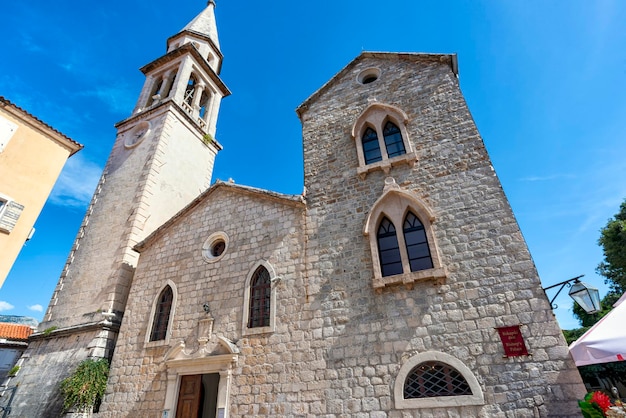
(36, 307)
(120, 98)
(76, 183)
(549, 177)
(29, 44)
(5, 306)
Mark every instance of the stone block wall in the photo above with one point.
(260, 226)
(491, 279)
(339, 344)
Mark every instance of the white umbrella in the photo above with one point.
(605, 341)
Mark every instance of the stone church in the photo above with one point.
(379, 292)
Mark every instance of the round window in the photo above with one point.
(368, 76)
(218, 248)
(214, 247)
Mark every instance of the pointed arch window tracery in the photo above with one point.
(260, 299)
(417, 248)
(382, 139)
(403, 255)
(393, 140)
(162, 314)
(371, 147)
(388, 248)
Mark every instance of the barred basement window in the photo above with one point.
(162, 315)
(260, 296)
(432, 379)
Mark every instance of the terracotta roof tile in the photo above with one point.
(6, 102)
(15, 331)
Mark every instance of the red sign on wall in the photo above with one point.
(512, 341)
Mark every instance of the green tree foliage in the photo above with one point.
(84, 388)
(613, 268)
(613, 243)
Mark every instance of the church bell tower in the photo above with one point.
(161, 160)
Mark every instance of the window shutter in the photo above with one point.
(7, 129)
(11, 214)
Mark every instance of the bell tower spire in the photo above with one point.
(188, 74)
(204, 23)
(161, 160)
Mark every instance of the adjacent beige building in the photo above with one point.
(32, 155)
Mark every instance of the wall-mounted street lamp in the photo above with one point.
(588, 297)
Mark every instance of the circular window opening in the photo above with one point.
(368, 76)
(215, 247)
(369, 79)
(218, 248)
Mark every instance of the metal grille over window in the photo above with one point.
(388, 248)
(260, 294)
(416, 243)
(371, 149)
(432, 378)
(162, 315)
(393, 140)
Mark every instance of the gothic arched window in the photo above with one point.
(402, 240)
(388, 249)
(381, 139)
(393, 140)
(371, 148)
(260, 297)
(416, 243)
(162, 314)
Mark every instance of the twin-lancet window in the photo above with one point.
(415, 241)
(394, 145)
(381, 139)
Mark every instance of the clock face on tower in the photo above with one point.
(137, 134)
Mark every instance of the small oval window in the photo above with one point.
(218, 248)
(215, 247)
(368, 76)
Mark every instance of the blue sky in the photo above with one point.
(544, 81)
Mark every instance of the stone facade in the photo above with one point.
(261, 228)
(338, 334)
(160, 161)
(340, 342)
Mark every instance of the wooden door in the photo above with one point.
(189, 397)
